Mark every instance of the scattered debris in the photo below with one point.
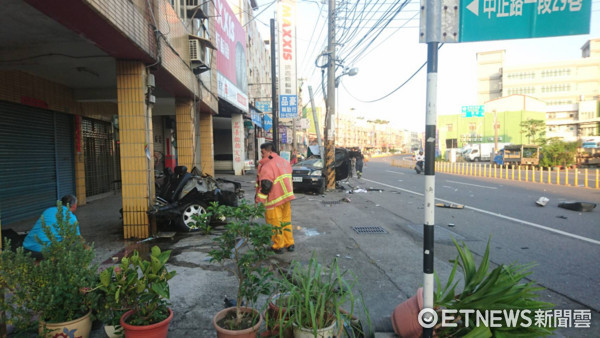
(577, 206)
(561, 216)
(450, 205)
(337, 255)
(542, 201)
(347, 257)
(451, 225)
(524, 248)
(373, 189)
(346, 199)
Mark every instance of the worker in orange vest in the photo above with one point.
(274, 189)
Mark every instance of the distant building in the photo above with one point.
(570, 89)
(506, 113)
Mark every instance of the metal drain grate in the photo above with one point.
(331, 202)
(369, 230)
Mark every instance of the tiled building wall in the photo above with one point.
(136, 131)
(185, 134)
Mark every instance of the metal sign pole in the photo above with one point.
(433, 37)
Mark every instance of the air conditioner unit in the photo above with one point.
(196, 51)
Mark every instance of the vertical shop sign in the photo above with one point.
(286, 17)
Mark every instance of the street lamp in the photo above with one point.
(350, 72)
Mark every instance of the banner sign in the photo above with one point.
(267, 122)
(288, 106)
(256, 117)
(263, 106)
(232, 77)
(286, 20)
(473, 111)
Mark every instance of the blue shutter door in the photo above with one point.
(28, 160)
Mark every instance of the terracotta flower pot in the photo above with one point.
(245, 333)
(157, 330)
(79, 327)
(405, 316)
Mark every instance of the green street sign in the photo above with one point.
(482, 20)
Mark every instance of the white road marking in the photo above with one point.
(475, 185)
(395, 172)
(535, 225)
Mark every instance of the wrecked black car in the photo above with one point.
(180, 195)
(309, 174)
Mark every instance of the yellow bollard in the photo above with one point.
(576, 181)
(549, 175)
(586, 178)
(512, 172)
(495, 167)
(526, 173)
(567, 176)
(557, 175)
(519, 170)
(597, 176)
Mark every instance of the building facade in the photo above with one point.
(571, 89)
(87, 100)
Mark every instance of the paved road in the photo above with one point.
(564, 244)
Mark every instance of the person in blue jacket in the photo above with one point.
(30, 244)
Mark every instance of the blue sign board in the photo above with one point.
(288, 106)
(283, 134)
(256, 117)
(263, 106)
(267, 122)
(473, 111)
(482, 20)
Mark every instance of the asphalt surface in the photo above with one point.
(388, 265)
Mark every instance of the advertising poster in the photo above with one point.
(232, 78)
(286, 19)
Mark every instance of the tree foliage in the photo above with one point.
(532, 128)
(557, 152)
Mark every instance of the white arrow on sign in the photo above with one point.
(474, 7)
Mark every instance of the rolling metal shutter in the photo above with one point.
(36, 160)
(99, 156)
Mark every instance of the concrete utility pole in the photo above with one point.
(330, 129)
(315, 120)
(274, 89)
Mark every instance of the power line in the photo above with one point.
(393, 91)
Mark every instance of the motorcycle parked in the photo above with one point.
(180, 195)
(420, 166)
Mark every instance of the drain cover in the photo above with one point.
(369, 230)
(331, 202)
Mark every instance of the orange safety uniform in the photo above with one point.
(278, 171)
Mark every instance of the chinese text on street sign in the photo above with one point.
(288, 106)
(518, 19)
(472, 111)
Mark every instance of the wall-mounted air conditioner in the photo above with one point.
(197, 52)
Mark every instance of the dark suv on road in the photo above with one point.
(309, 174)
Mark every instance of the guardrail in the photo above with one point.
(556, 176)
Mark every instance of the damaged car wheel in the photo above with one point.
(185, 222)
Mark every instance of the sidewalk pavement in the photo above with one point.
(387, 265)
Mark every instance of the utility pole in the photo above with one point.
(495, 133)
(329, 128)
(274, 97)
(315, 120)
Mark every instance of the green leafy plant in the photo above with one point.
(315, 297)
(557, 152)
(203, 221)
(247, 244)
(55, 289)
(502, 288)
(136, 284)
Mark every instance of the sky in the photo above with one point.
(397, 55)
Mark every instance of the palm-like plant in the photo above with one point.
(502, 288)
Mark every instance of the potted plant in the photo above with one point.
(246, 243)
(51, 292)
(139, 288)
(484, 290)
(315, 297)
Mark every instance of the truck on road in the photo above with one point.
(479, 152)
(518, 154)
